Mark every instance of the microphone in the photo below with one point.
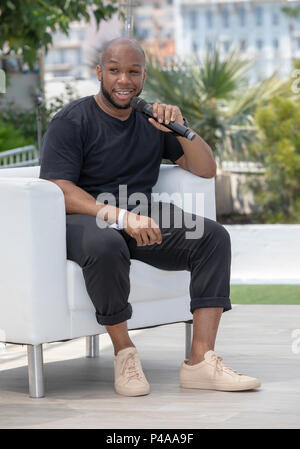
(146, 108)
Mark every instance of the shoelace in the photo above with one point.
(130, 367)
(219, 365)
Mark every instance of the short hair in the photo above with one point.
(121, 41)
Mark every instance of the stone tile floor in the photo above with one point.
(254, 339)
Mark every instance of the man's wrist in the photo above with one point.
(120, 220)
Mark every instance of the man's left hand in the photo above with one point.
(165, 113)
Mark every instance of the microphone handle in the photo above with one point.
(176, 127)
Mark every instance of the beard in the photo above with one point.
(110, 99)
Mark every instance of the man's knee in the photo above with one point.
(110, 250)
(221, 234)
(216, 233)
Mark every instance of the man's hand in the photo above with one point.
(165, 113)
(143, 229)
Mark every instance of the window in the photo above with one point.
(144, 33)
(72, 56)
(258, 15)
(209, 19)
(141, 19)
(298, 42)
(54, 57)
(79, 55)
(49, 57)
(209, 45)
(242, 16)
(275, 44)
(275, 18)
(81, 34)
(259, 44)
(226, 46)
(193, 19)
(225, 18)
(243, 44)
(195, 46)
(59, 36)
(73, 35)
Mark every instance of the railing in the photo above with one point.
(19, 157)
(243, 167)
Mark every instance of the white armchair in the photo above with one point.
(42, 294)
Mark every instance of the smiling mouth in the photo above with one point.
(124, 94)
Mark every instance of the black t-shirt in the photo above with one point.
(99, 152)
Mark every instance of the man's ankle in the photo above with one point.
(119, 348)
(194, 361)
(197, 354)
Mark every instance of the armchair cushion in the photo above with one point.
(147, 284)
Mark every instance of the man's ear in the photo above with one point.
(99, 72)
(145, 75)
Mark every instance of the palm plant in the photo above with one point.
(214, 95)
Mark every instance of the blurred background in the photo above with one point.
(233, 67)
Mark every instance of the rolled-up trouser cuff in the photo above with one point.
(116, 318)
(201, 303)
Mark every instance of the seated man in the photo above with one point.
(97, 144)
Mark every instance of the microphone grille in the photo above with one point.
(138, 104)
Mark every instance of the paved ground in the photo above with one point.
(253, 339)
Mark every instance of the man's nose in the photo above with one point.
(123, 77)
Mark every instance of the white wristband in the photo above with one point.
(120, 222)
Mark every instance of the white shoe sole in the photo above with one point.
(221, 387)
(125, 392)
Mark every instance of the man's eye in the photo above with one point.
(113, 70)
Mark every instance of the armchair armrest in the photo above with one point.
(33, 290)
(174, 179)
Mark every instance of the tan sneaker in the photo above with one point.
(129, 377)
(212, 374)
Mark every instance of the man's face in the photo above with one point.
(122, 75)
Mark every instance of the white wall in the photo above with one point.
(265, 254)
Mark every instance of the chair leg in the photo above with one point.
(35, 371)
(92, 346)
(188, 339)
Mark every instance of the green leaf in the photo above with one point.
(10, 5)
(25, 24)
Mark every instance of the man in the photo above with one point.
(93, 146)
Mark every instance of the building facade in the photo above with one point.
(154, 26)
(75, 55)
(260, 30)
(66, 56)
(153, 20)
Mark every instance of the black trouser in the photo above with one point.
(104, 255)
